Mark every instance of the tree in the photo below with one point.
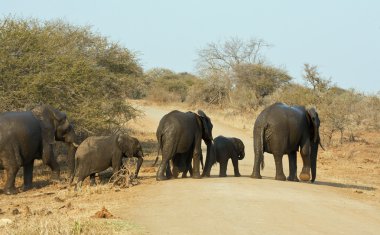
(314, 79)
(226, 55)
(165, 85)
(263, 80)
(68, 67)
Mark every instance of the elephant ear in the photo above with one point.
(125, 144)
(313, 120)
(47, 122)
(206, 125)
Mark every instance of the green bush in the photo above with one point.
(165, 85)
(68, 67)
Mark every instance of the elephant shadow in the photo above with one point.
(341, 185)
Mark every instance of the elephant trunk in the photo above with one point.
(210, 159)
(313, 160)
(71, 149)
(241, 156)
(139, 162)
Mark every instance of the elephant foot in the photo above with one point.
(93, 184)
(161, 178)
(256, 176)
(280, 177)
(204, 174)
(304, 176)
(196, 175)
(27, 187)
(237, 175)
(295, 179)
(10, 191)
(222, 175)
(184, 175)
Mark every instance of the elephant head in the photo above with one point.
(206, 127)
(54, 126)
(69, 137)
(131, 147)
(239, 148)
(314, 123)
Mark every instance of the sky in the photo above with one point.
(341, 37)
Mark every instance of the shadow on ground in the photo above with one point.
(341, 185)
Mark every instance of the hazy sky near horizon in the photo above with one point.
(341, 37)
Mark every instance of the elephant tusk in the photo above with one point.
(75, 145)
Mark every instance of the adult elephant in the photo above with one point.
(30, 135)
(281, 129)
(223, 149)
(97, 153)
(179, 137)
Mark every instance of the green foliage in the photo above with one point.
(261, 80)
(68, 67)
(165, 85)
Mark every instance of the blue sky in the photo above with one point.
(341, 37)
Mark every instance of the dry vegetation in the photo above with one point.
(94, 76)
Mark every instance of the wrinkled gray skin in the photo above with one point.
(26, 136)
(97, 153)
(222, 150)
(179, 137)
(281, 129)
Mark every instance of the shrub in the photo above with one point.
(68, 67)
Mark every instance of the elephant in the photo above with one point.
(97, 153)
(29, 135)
(223, 149)
(281, 129)
(179, 137)
(179, 158)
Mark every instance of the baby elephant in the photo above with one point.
(222, 150)
(97, 153)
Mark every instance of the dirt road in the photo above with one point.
(243, 205)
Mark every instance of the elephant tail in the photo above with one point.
(262, 148)
(158, 149)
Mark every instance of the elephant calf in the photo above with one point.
(97, 153)
(222, 150)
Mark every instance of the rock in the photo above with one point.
(58, 199)
(4, 222)
(28, 212)
(15, 211)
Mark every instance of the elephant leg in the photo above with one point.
(279, 169)
(305, 154)
(235, 163)
(9, 187)
(223, 168)
(259, 156)
(175, 171)
(292, 167)
(164, 165)
(49, 159)
(79, 183)
(92, 179)
(28, 176)
(196, 162)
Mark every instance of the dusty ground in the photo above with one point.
(344, 200)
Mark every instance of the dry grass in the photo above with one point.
(56, 208)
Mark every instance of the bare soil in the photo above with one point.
(343, 200)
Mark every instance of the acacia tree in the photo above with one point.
(243, 78)
(224, 56)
